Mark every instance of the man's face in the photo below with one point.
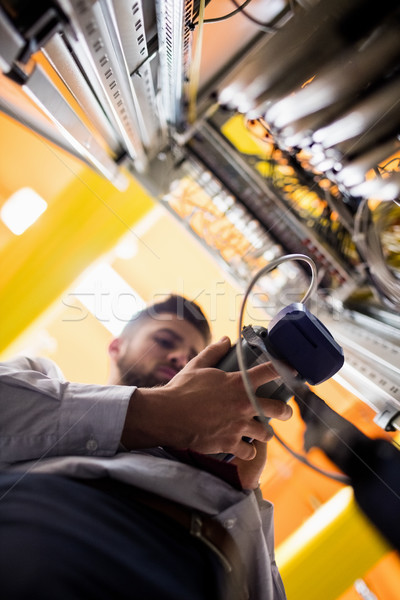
(156, 350)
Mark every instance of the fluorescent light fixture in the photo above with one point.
(22, 209)
(108, 297)
(127, 247)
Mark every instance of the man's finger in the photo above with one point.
(275, 409)
(246, 450)
(261, 374)
(260, 432)
(212, 354)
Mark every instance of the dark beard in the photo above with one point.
(131, 377)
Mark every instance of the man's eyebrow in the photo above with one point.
(173, 333)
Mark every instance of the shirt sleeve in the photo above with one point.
(44, 415)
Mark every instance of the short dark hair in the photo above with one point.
(177, 305)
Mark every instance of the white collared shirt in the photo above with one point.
(49, 425)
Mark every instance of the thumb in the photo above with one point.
(212, 354)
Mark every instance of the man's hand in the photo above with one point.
(203, 408)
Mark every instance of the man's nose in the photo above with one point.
(179, 358)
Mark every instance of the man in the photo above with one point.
(107, 492)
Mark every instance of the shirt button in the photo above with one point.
(229, 523)
(91, 445)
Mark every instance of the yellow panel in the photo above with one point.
(86, 220)
(238, 134)
(382, 580)
(336, 546)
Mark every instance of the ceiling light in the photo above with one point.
(22, 209)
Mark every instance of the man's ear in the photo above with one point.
(114, 348)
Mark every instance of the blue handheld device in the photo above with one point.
(297, 337)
